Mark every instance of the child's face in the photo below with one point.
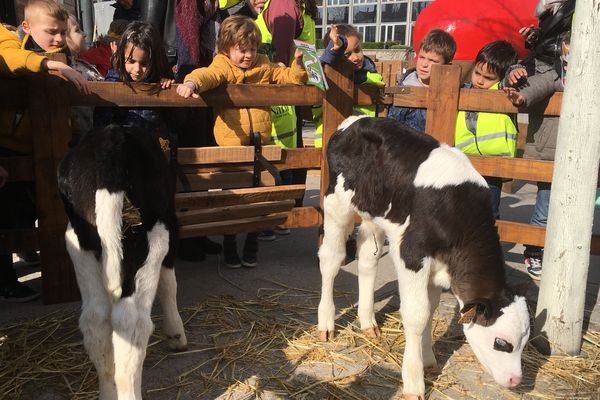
(136, 63)
(354, 52)
(48, 32)
(75, 37)
(243, 57)
(482, 77)
(425, 61)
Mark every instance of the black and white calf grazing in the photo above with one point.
(119, 197)
(435, 210)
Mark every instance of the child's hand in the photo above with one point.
(298, 58)
(514, 96)
(530, 34)
(516, 75)
(113, 47)
(335, 39)
(186, 90)
(166, 83)
(70, 74)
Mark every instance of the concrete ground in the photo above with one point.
(292, 261)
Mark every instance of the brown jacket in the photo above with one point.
(233, 125)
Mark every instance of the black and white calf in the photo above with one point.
(119, 198)
(435, 210)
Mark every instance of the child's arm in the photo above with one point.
(515, 76)
(294, 74)
(335, 48)
(68, 73)
(203, 79)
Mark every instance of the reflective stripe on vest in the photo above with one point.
(283, 126)
(373, 78)
(484, 133)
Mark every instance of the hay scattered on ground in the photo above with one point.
(267, 348)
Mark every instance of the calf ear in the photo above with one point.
(468, 314)
(478, 309)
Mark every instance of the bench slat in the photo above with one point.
(237, 196)
(233, 212)
(227, 227)
(226, 180)
(224, 154)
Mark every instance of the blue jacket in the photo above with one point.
(412, 117)
(333, 57)
(151, 120)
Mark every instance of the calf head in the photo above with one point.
(498, 340)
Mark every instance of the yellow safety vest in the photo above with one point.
(283, 118)
(225, 4)
(492, 134)
(373, 78)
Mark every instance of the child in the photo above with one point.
(542, 132)
(238, 62)
(437, 47)
(344, 41)
(100, 54)
(490, 134)
(139, 57)
(17, 207)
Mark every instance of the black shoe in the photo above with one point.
(190, 250)
(232, 259)
(250, 250)
(209, 246)
(18, 292)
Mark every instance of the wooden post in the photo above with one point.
(442, 102)
(49, 111)
(337, 106)
(559, 313)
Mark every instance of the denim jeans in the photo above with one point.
(540, 211)
(495, 185)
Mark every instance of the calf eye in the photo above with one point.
(502, 345)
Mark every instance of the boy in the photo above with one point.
(16, 198)
(238, 62)
(344, 41)
(437, 47)
(490, 134)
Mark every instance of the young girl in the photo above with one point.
(238, 62)
(139, 57)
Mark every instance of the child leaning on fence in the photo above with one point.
(238, 62)
(436, 48)
(489, 134)
(344, 41)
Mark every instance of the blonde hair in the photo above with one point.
(238, 30)
(33, 8)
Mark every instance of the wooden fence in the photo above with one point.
(49, 98)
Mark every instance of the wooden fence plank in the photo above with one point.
(226, 180)
(304, 217)
(516, 168)
(233, 212)
(442, 107)
(18, 240)
(237, 196)
(228, 227)
(225, 154)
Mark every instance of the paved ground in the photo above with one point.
(292, 261)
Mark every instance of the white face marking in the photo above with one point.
(349, 121)
(447, 166)
(513, 327)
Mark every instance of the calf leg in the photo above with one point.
(370, 247)
(338, 222)
(429, 360)
(95, 313)
(131, 321)
(167, 295)
(415, 311)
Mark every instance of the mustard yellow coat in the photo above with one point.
(233, 125)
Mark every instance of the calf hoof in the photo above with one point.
(413, 397)
(324, 336)
(177, 342)
(372, 332)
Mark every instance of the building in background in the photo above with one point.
(376, 20)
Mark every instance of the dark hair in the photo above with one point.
(145, 37)
(441, 42)
(342, 29)
(498, 56)
(238, 30)
(310, 8)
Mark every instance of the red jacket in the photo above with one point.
(99, 56)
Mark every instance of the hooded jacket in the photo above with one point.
(234, 125)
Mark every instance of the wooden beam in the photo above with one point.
(442, 107)
(13, 92)
(409, 96)
(299, 158)
(304, 217)
(496, 101)
(225, 154)
(228, 227)
(233, 212)
(119, 94)
(516, 168)
(226, 180)
(237, 196)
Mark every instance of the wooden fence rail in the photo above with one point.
(49, 98)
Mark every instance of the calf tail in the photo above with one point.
(109, 222)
